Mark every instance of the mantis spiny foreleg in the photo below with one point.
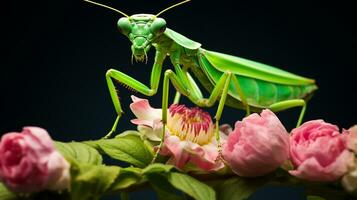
(134, 84)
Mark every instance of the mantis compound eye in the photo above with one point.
(124, 25)
(158, 26)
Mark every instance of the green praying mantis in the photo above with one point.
(230, 80)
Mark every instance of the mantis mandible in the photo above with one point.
(230, 80)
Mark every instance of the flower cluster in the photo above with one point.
(259, 144)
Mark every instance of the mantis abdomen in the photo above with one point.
(259, 93)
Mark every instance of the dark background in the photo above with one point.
(55, 55)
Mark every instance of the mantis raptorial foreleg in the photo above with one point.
(134, 84)
(290, 104)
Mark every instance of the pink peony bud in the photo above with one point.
(258, 145)
(30, 163)
(319, 151)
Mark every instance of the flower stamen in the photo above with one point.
(193, 124)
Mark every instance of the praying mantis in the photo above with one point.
(230, 80)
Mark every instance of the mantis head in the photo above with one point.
(141, 29)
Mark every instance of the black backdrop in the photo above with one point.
(55, 55)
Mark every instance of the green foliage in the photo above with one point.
(157, 168)
(5, 194)
(79, 152)
(89, 182)
(164, 190)
(127, 147)
(127, 177)
(191, 186)
(238, 188)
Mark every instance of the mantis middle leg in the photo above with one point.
(199, 95)
(134, 84)
(193, 87)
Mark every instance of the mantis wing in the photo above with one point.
(252, 69)
(181, 40)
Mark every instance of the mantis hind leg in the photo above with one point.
(290, 104)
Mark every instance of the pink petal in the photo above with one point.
(58, 167)
(142, 109)
(38, 136)
(151, 133)
(205, 157)
(175, 147)
(311, 169)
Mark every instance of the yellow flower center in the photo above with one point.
(193, 124)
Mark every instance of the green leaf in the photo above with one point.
(314, 198)
(238, 188)
(127, 177)
(79, 152)
(127, 147)
(5, 194)
(157, 168)
(163, 189)
(89, 182)
(191, 186)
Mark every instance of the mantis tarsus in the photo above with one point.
(232, 81)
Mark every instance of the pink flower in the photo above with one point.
(189, 137)
(258, 145)
(30, 163)
(319, 151)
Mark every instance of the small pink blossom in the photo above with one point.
(258, 145)
(189, 137)
(30, 163)
(319, 151)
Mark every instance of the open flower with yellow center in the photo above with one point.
(189, 137)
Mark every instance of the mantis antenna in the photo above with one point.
(98, 4)
(172, 7)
